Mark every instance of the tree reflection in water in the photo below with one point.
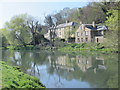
(57, 69)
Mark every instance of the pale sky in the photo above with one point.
(35, 9)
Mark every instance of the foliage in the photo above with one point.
(18, 31)
(112, 20)
(61, 16)
(3, 40)
(75, 15)
(86, 47)
(13, 78)
(92, 13)
(112, 36)
(24, 29)
(49, 21)
(35, 29)
(59, 43)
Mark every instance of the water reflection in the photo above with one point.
(55, 69)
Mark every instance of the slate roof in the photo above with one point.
(102, 28)
(90, 27)
(66, 24)
(98, 27)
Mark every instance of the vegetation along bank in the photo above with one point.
(12, 77)
(85, 47)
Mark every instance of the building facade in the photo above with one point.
(90, 33)
(62, 31)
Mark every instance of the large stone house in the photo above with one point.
(62, 31)
(90, 33)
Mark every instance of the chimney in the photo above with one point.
(93, 23)
(52, 26)
(55, 24)
(67, 21)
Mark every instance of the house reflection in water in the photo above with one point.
(84, 63)
(101, 61)
(63, 62)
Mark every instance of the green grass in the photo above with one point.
(28, 47)
(86, 47)
(68, 47)
(12, 77)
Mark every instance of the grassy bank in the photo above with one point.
(12, 77)
(87, 47)
(68, 47)
(28, 47)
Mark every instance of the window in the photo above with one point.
(60, 33)
(86, 39)
(78, 34)
(81, 34)
(71, 28)
(86, 33)
(78, 39)
(81, 39)
(97, 40)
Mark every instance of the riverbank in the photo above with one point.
(87, 47)
(74, 47)
(12, 77)
(28, 47)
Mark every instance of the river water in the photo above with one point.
(63, 70)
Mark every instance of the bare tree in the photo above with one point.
(49, 20)
(34, 28)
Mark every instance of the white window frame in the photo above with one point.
(86, 33)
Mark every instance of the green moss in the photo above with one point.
(12, 77)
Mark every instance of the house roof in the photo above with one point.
(97, 27)
(102, 27)
(90, 27)
(66, 24)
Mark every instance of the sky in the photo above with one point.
(35, 9)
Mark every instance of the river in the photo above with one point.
(62, 70)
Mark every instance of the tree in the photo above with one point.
(49, 20)
(75, 15)
(92, 13)
(112, 23)
(61, 16)
(18, 31)
(35, 29)
(51, 27)
(3, 39)
(58, 18)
